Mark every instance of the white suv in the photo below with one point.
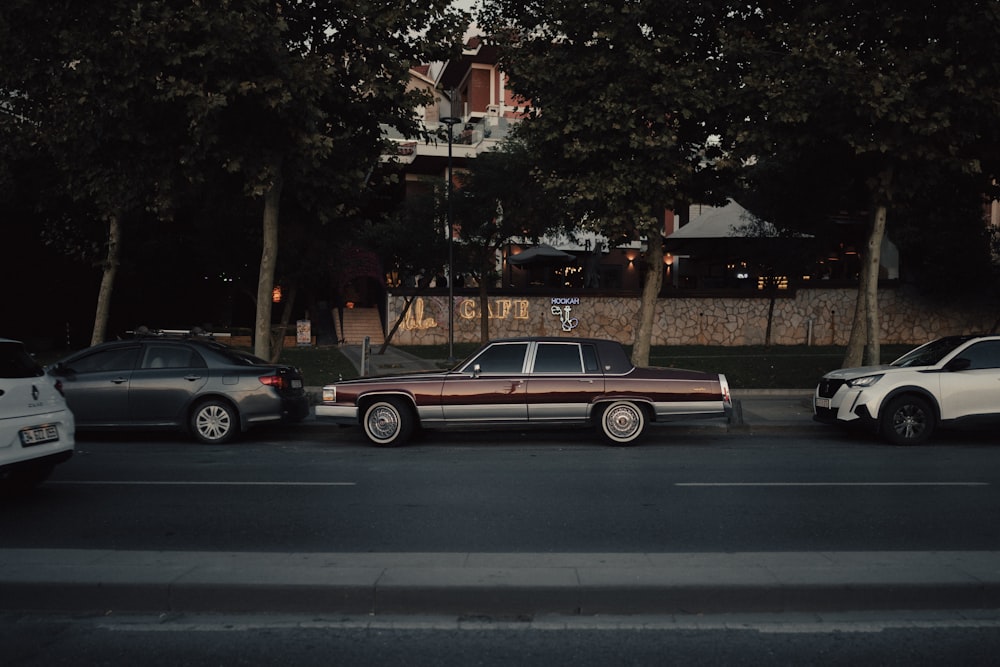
(37, 430)
(953, 380)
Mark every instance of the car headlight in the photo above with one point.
(329, 394)
(865, 381)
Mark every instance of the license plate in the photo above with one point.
(296, 384)
(37, 435)
(823, 403)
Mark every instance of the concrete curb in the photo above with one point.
(495, 584)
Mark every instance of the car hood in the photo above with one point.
(860, 371)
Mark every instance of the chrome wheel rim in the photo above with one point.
(383, 423)
(213, 422)
(622, 421)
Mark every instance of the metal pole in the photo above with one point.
(450, 122)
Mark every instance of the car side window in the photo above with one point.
(983, 355)
(558, 358)
(118, 359)
(171, 356)
(590, 362)
(501, 358)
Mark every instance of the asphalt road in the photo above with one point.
(560, 491)
(851, 640)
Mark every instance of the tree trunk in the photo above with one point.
(399, 320)
(873, 350)
(770, 320)
(864, 346)
(484, 309)
(110, 265)
(268, 260)
(650, 293)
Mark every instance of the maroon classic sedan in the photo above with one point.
(529, 381)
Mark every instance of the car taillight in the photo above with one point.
(276, 381)
(59, 387)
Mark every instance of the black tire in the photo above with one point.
(214, 422)
(622, 423)
(907, 420)
(388, 422)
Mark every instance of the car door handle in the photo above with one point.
(587, 381)
(192, 378)
(119, 380)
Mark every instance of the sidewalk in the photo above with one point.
(519, 585)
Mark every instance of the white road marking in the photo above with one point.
(185, 483)
(769, 484)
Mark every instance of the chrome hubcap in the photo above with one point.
(383, 423)
(622, 421)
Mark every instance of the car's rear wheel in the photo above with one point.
(388, 422)
(907, 420)
(622, 423)
(214, 422)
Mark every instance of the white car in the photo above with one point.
(949, 381)
(37, 430)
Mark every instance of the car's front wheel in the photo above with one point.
(622, 423)
(388, 422)
(907, 420)
(214, 422)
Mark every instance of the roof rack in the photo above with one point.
(194, 332)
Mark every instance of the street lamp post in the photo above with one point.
(450, 121)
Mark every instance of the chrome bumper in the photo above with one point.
(339, 414)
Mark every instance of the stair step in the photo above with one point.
(361, 322)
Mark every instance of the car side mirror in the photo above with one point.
(959, 364)
(476, 370)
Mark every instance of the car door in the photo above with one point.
(166, 380)
(96, 385)
(975, 390)
(489, 388)
(564, 379)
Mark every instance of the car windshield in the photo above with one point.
(930, 353)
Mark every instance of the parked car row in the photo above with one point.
(214, 393)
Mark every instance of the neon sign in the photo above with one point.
(498, 309)
(562, 307)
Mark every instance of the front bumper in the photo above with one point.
(848, 406)
(338, 414)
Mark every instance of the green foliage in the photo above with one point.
(891, 86)
(499, 198)
(624, 95)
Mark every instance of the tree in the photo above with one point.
(623, 96)
(902, 88)
(132, 102)
(79, 95)
(498, 199)
(292, 96)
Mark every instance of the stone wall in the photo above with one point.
(817, 316)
